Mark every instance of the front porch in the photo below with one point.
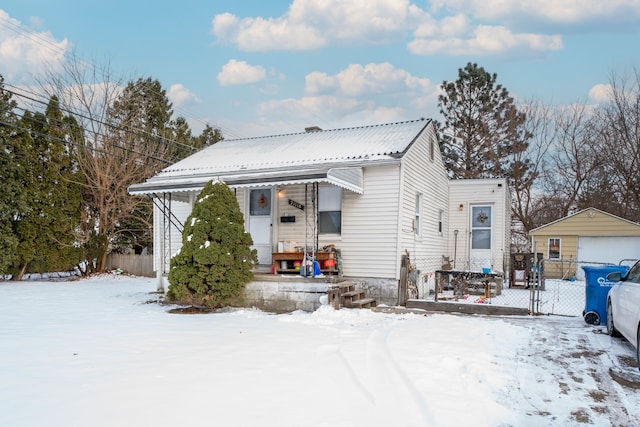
(282, 293)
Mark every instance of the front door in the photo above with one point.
(260, 223)
(481, 237)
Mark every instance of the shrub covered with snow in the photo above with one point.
(215, 261)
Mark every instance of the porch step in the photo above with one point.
(362, 303)
(344, 294)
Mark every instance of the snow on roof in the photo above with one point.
(300, 149)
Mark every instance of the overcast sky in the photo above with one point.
(257, 67)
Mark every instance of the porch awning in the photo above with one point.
(350, 178)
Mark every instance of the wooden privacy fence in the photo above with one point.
(137, 265)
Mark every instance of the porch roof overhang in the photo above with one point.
(348, 178)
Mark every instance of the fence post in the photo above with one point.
(402, 285)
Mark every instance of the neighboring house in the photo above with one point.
(588, 236)
(372, 192)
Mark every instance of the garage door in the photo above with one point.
(607, 249)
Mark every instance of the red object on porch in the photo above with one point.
(329, 263)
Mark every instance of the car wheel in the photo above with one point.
(611, 328)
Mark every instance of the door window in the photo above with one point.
(481, 227)
(260, 202)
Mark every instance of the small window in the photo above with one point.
(260, 202)
(431, 149)
(440, 220)
(329, 210)
(554, 248)
(416, 221)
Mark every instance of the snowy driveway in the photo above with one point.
(99, 352)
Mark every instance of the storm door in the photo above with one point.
(260, 223)
(481, 237)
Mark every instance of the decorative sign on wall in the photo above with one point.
(296, 204)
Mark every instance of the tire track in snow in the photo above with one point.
(390, 394)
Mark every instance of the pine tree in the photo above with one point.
(46, 228)
(215, 261)
(12, 198)
(483, 129)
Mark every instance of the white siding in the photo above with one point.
(368, 240)
(466, 192)
(295, 231)
(242, 199)
(422, 173)
(370, 225)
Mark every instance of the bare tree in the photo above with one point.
(526, 183)
(573, 161)
(111, 154)
(619, 134)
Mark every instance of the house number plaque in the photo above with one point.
(296, 204)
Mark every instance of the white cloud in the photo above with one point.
(376, 92)
(490, 26)
(358, 80)
(240, 73)
(180, 95)
(310, 24)
(601, 93)
(485, 40)
(327, 111)
(311, 107)
(24, 53)
(550, 11)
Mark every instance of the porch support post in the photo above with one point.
(165, 241)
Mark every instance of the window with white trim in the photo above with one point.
(440, 221)
(329, 209)
(554, 248)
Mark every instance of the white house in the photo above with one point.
(373, 193)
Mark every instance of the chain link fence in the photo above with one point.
(561, 287)
(550, 287)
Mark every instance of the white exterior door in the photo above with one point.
(260, 223)
(481, 225)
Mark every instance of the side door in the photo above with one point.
(481, 245)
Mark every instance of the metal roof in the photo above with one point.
(288, 158)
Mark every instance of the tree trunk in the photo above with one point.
(18, 276)
(102, 261)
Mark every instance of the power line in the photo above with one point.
(129, 130)
(34, 36)
(64, 141)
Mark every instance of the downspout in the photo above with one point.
(455, 247)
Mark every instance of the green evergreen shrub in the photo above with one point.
(215, 261)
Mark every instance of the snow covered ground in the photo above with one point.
(102, 352)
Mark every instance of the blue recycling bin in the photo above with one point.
(597, 288)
